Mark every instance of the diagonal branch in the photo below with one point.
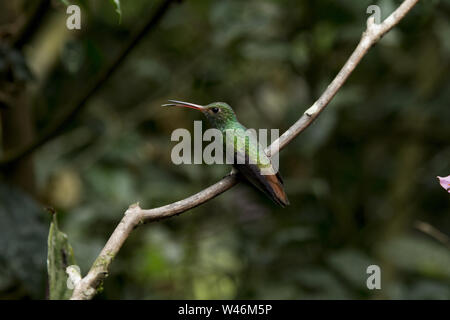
(53, 130)
(134, 216)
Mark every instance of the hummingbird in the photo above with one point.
(222, 117)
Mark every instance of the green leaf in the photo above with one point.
(66, 2)
(118, 9)
(60, 256)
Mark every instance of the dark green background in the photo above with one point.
(359, 179)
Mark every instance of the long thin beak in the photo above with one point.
(175, 103)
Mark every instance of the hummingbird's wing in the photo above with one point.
(250, 160)
(271, 185)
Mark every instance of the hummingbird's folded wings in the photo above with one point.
(252, 162)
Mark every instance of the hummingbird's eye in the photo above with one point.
(215, 109)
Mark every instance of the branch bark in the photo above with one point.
(135, 216)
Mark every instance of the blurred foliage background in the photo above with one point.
(359, 179)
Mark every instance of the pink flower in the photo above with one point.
(445, 182)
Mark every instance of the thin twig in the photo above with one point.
(432, 232)
(134, 216)
(69, 114)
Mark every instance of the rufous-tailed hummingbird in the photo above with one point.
(222, 117)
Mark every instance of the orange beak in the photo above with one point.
(175, 103)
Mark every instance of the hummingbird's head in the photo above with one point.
(219, 114)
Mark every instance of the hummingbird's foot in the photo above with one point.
(233, 172)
